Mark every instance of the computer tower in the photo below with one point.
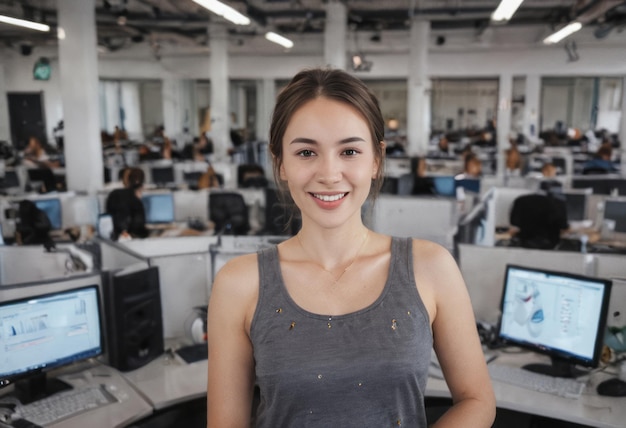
(134, 321)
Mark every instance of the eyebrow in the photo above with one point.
(348, 140)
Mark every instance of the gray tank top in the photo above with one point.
(364, 369)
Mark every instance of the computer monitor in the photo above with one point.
(10, 180)
(159, 207)
(615, 215)
(469, 184)
(559, 314)
(52, 208)
(576, 205)
(42, 332)
(444, 185)
(162, 175)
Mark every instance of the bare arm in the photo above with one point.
(231, 362)
(456, 340)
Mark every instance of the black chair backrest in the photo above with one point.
(229, 212)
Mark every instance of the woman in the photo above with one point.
(126, 208)
(336, 325)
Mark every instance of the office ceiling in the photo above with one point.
(179, 27)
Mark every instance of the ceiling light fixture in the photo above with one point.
(505, 10)
(562, 33)
(225, 11)
(23, 23)
(278, 39)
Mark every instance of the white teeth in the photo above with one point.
(329, 198)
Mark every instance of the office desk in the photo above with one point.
(169, 380)
(130, 407)
(589, 409)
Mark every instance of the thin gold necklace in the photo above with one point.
(356, 256)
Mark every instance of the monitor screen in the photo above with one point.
(469, 184)
(444, 185)
(615, 215)
(159, 207)
(52, 208)
(10, 179)
(162, 175)
(576, 206)
(559, 314)
(46, 331)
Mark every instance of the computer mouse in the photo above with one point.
(613, 387)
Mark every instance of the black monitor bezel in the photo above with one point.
(75, 358)
(554, 353)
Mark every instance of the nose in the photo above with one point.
(329, 170)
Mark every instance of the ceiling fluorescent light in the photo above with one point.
(278, 39)
(562, 33)
(505, 10)
(225, 11)
(23, 23)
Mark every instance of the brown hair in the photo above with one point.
(336, 85)
(135, 178)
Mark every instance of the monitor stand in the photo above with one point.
(558, 368)
(37, 387)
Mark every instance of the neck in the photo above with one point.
(332, 251)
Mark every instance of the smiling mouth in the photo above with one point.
(329, 198)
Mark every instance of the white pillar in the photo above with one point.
(418, 109)
(5, 131)
(335, 35)
(505, 92)
(622, 130)
(531, 106)
(265, 99)
(78, 63)
(220, 116)
(130, 102)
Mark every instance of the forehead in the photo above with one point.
(324, 113)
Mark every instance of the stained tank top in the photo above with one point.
(363, 369)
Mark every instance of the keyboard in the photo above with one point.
(563, 387)
(65, 404)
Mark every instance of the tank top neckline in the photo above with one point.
(283, 288)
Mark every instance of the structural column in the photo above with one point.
(418, 109)
(531, 106)
(78, 63)
(335, 35)
(505, 92)
(5, 132)
(220, 116)
(266, 97)
(178, 106)
(622, 129)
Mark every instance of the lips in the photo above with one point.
(329, 198)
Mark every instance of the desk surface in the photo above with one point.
(168, 380)
(589, 409)
(130, 405)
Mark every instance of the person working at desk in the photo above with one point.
(538, 220)
(33, 226)
(601, 162)
(336, 325)
(125, 207)
(36, 155)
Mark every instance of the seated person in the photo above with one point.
(209, 179)
(601, 163)
(33, 227)
(422, 185)
(126, 208)
(36, 154)
(539, 219)
(472, 167)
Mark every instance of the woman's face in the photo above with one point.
(328, 161)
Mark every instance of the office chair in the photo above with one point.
(229, 212)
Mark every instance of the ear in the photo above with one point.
(281, 171)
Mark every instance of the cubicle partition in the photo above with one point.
(483, 270)
(432, 218)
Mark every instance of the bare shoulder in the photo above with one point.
(236, 287)
(240, 274)
(431, 256)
